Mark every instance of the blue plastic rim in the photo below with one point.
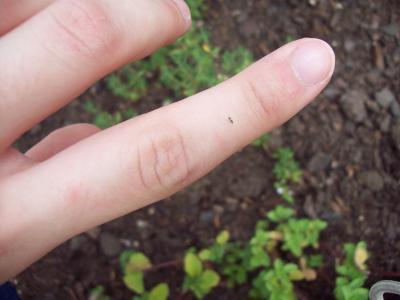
(8, 292)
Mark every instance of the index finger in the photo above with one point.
(148, 158)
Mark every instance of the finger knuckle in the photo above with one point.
(269, 96)
(259, 101)
(162, 160)
(84, 28)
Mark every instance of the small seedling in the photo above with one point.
(198, 280)
(287, 172)
(98, 293)
(133, 265)
(186, 67)
(280, 253)
(352, 273)
(277, 282)
(261, 141)
(261, 255)
(103, 119)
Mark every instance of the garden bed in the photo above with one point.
(347, 144)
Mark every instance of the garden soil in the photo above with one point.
(347, 143)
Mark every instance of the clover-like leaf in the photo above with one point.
(223, 237)
(208, 280)
(134, 281)
(205, 254)
(159, 292)
(280, 214)
(361, 256)
(192, 265)
(137, 262)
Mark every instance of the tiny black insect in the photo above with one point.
(230, 120)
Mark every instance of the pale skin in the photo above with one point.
(79, 177)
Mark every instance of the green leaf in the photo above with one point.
(296, 275)
(137, 262)
(159, 292)
(223, 237)
(205, 254)
(134, 281)
(261, 141)
(208, 279)
(192, 265)
(361, 256)
(98, 293)
(286, 168)
(124, 258)
(314, 261)
(280, 214)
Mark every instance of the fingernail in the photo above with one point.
(313, 62)
(185, 11)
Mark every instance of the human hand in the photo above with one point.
(78, 177)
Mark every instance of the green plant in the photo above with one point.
(286, 171)
(198, 279)
(281, 252)
(260, 257)
(103, 119)
(276, 283)
(229, 256)
(261, 141)
(133, 265)
(280, 214)
(98, 293)
(352, 273)
(184, 68)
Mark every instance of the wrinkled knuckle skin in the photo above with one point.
(162, 160)
(258, 99)
(85, 28)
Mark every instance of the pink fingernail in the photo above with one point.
(185, 11)
(313, 62)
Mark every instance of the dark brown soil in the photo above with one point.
(347, 142)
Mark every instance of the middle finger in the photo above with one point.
(73, 43)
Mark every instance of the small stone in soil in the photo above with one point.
(94, 232)
(332, 92)
(349, 45)
(385, 125)
(218, 209)
(385, 98)
(76, 242)
(319, 162)
(232, 203)
(392, 29)
(372, 180)
(109, 245)
(353, 105)
(207, 216)
(142, 224)
(395, 109)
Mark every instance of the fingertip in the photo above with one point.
(184, 10)
(313, 61)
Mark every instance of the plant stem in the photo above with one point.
(167, 264)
